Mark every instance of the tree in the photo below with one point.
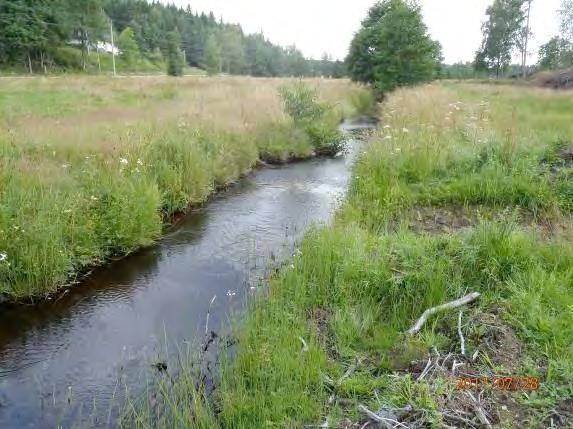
(555, 54)
(566, 16)
(500, 33)
(213, 60)
(393, 47)
(232, 52)
(128, 46)
(174, 55)
(523, 37)
(88, 23)
(558, 52)
(22, 30)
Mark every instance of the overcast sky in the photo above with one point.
(318, 26)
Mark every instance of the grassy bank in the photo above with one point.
(464, 188)
(90, 167)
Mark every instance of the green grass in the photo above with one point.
(92, 168)
(354, 288)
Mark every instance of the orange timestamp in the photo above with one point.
(497, 383)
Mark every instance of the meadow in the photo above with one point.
(94, 167)
(463, 188)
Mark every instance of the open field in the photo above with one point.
(463, 188)
(91, 166)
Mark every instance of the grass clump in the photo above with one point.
(354, 288)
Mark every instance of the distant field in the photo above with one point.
(463, 188)
(89, 165)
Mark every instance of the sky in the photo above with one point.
(319, 26)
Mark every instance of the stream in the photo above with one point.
(70, 359)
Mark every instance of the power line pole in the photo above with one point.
(112, 45)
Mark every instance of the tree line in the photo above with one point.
(41, 35)
(507, 30)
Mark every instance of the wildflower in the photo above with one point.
(123, 161)
(398, 149)
(231, 293)
(405, 130)
(3, 256)
(388, 138)
(65, 166)
(139, 161)
(93, 198)
(386, 127)
(68, 211)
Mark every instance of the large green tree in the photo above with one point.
(558, 52)
(213, 59)
(129, 50)
(174, 55)
(393, 47)
(501, 32)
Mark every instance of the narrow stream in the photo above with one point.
(61, 362)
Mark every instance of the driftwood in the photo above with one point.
(448, 306)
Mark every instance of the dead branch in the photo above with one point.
(448, 306)
(460, 333)
(208, 314)
(480, 413)
(426, 369)
(304, 345)
(373, 416)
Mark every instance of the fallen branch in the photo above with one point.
(208, 314)
(426, 369)
(304, 345)
(480, 413)
(460, 333)
(448, 306)
(373, 416)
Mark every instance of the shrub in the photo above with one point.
(316, 118)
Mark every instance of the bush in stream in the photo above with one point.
(316, 118)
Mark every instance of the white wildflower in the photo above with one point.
(65, 165)
(93, 198)
(398, 149)
(386, 127)
(139, 161)
(3, 256)
(388, 138)
(231, 293)
(68, 211)
(405, 130)
(123, 161)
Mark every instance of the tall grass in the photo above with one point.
(354, 288)
(91, 167)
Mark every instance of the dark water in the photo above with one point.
(65, 361)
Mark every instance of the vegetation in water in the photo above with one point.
(80, 183)
(462, 189)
